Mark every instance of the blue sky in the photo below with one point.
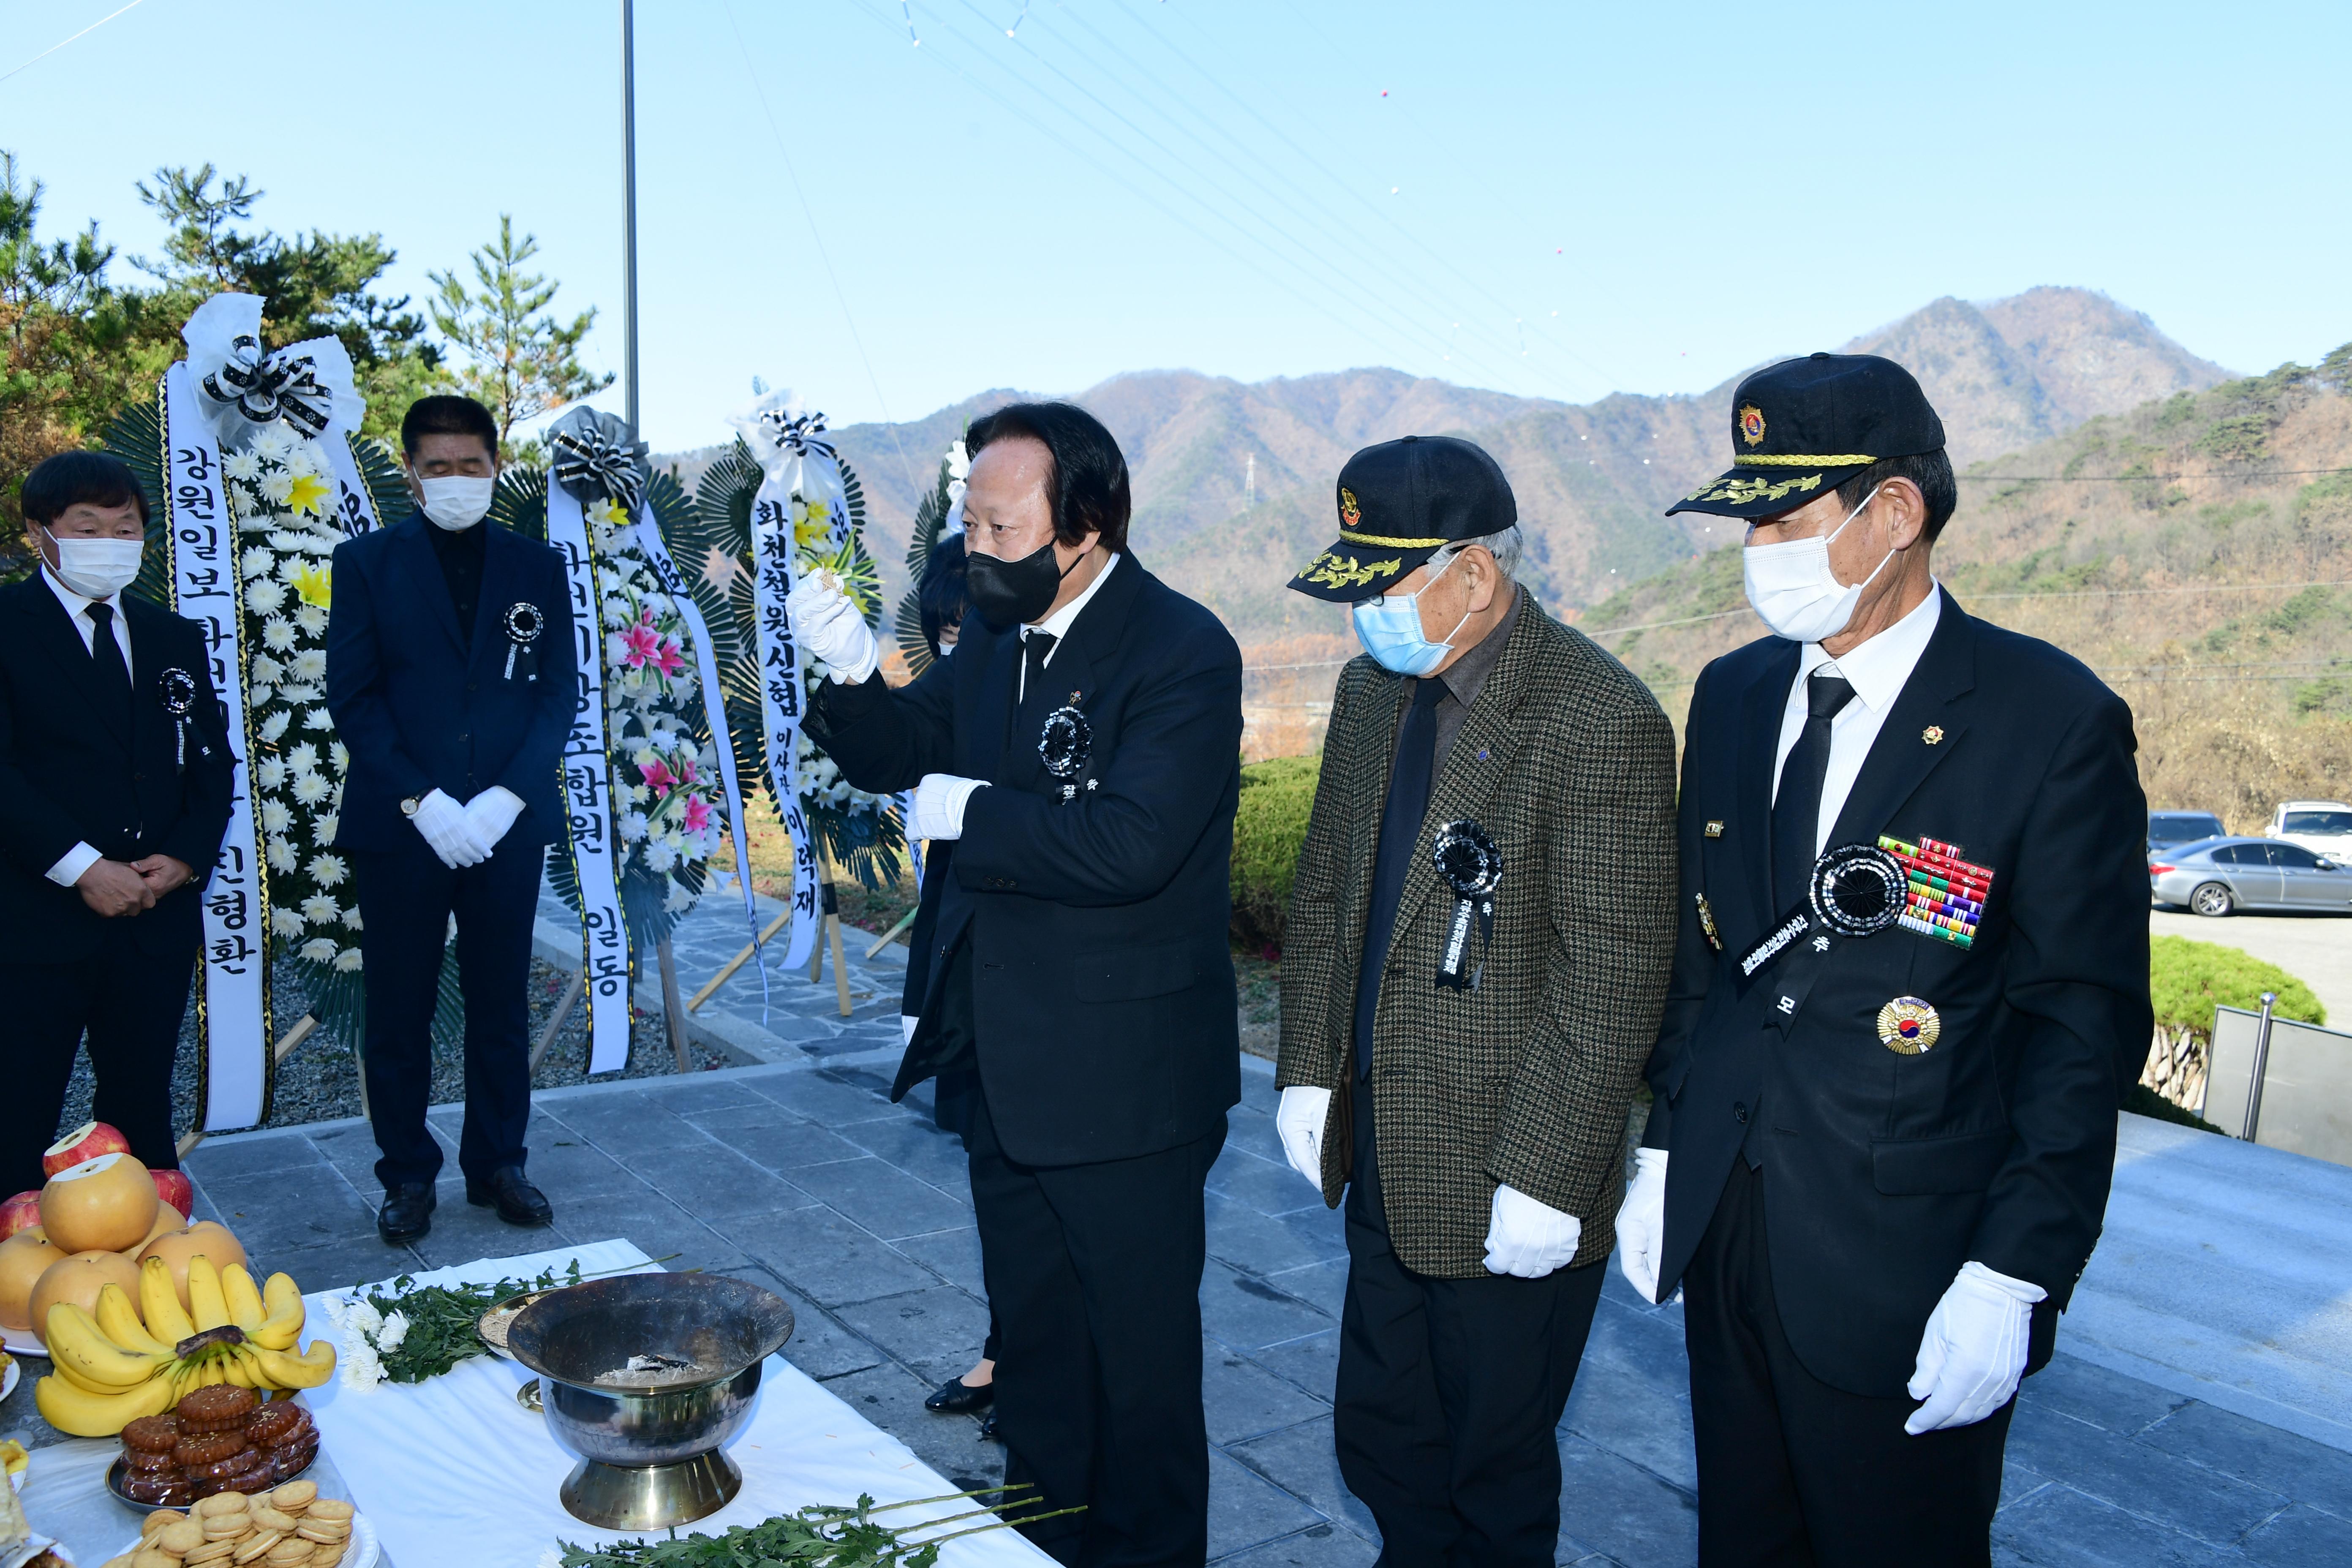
(1557, 200)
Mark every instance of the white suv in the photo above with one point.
(2321, 827)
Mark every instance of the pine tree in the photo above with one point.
(523, 361)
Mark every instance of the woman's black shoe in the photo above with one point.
(956, 1397)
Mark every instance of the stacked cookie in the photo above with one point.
(292, 1527)
(220, 1439)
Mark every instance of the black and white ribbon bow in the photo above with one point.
(797, 435)
(596, 460)
(1470, 863)
(265, 388)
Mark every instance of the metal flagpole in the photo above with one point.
(629, 212)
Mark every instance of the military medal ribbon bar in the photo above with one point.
(1945, 898)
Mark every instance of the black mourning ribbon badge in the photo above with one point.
(1470, 863)
(175, 688)
(1853, 890)
(523, 623)
(1065, 745)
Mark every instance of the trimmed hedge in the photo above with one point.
(1269, 829)
(2187, 980)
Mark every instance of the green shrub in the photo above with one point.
(2187, 980)
(1269, 828)
(2142, 1101)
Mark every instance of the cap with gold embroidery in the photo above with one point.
(1804, 426)
(1401, 501)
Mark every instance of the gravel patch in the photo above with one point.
(320, 1080)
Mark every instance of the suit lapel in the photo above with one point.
(1901, 758)
(62, 641)
(1759, 743)
(413, 549)
(1482, 753)
(502, 585)
(991, 703)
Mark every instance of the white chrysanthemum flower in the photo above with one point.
(318, 718)
(275, 817)
(306, 458)
(313, 619)
(302, 757)
(265, 597)
(285, 922)
(240, 466)
(362, 1316)
(259, 695)
(660, 858)
(265, 670)
(255, 564)
(394, 1329)
(274, 442)
(632, 827)
(323, 828)
(286, 538)
(319, 907)
(279, 486)
(958, 461)
(281, 856)
(277, 634)
(339, 755)
(328, 871)
(274, 726)
(310, 788)
(362, 1372)
(295, 695)
(319, 950)
(310, 664)
(347, 961)
(351, 919)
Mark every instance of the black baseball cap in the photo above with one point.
(1804, 426)
(1400, 502)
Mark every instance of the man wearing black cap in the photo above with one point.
(1910, 986)
(1478, 945)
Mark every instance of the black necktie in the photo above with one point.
(1797, 808)
(1035, 648)
(106, 662)
(1408, 803)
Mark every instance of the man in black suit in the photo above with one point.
(1080, 750)
(453, 676)
(1909, 989)
(110, 824)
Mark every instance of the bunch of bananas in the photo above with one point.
(124, 1361)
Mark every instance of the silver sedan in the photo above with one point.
(2223, 876)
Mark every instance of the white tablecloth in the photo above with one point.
(454, 1474)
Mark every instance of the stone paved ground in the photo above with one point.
(803, 1177)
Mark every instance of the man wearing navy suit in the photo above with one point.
(1081, 752)
(1909, 989)
(114, 793)
(453, 679)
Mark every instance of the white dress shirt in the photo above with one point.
(82, 856)
(1876, 669)
(1057, 625)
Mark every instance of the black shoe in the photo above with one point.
(517, 1201)
(407, 1213)
(988, 1428)
(956, 1397)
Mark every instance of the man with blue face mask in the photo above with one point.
(1477, 948)
(1910, 988)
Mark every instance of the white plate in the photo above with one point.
(11, 1378)
(359, 1552)
(20, 1341)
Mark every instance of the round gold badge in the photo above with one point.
(1908, 1027)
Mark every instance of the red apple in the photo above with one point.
(87, 1142)
(22, 1212)
(172, 1186)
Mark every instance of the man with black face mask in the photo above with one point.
(1080, 751)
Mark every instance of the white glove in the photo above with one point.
(1974, 1349)
(829, 627)
(1528, 1238)
(491, 812)
(1642, 1223)
(939, 805)
(446, 827)
(1299, 1121)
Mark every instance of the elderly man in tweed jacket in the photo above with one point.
(1458, 1048)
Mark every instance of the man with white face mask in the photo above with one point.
(114, 793)
(1909, 989)
(452, 676)
(1478, 939)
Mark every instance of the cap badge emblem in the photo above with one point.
(1751, 425)
(1350, 513)
(1908, 1027)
